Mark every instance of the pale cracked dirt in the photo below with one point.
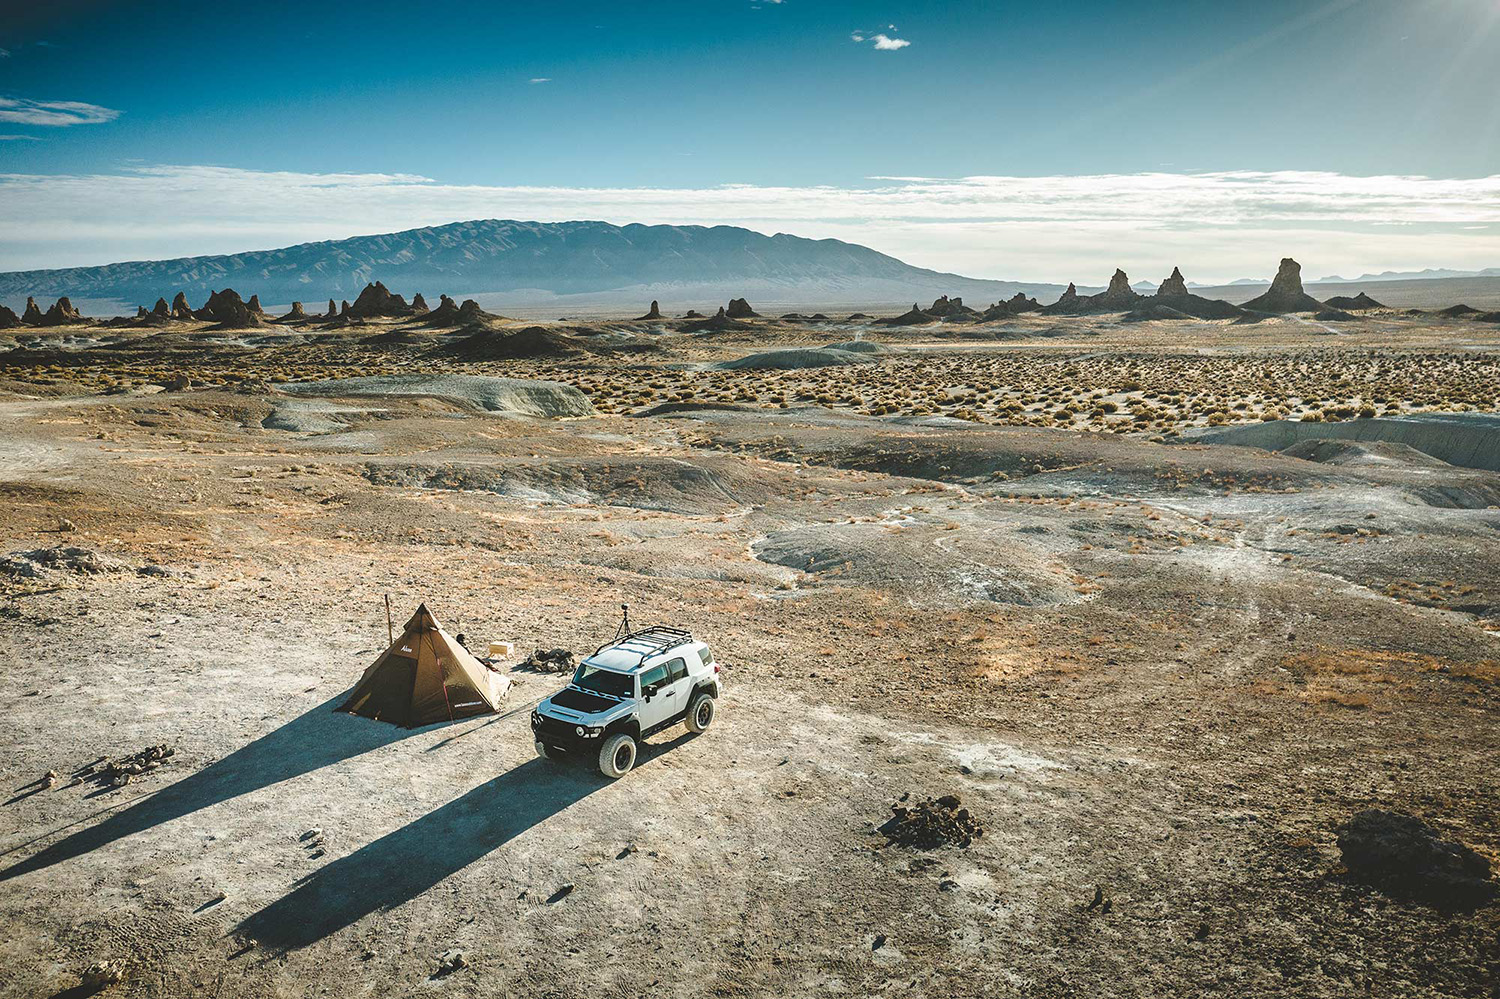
(1165, 671)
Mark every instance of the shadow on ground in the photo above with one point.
(316, 739)
(407, 862)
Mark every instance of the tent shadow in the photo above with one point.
(315, 739)
(405, 863)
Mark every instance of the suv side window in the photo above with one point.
(676, 670)
(653, 678)
(705, 657)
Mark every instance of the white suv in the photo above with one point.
(627, 690)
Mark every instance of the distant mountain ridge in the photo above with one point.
(534, 261)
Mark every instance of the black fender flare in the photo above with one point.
(706, 687)
(630, 725)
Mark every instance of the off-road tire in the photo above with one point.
(617, 755)
(545, 752)
(701, 712)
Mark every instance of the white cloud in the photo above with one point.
(883, 42)
(1218, 226)
(54, 113)
(540, 79)
(19, 138)
(4, 53)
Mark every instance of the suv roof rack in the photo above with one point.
(648, 641)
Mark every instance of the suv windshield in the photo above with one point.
(604, 681)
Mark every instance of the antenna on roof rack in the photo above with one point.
(624, 628)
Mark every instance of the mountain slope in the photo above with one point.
(534, 261)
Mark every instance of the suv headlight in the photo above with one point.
(579, 730)
(594, 732)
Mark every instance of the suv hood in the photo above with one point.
(574, 704)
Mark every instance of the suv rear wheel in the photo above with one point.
(701, 712)
(617, 755)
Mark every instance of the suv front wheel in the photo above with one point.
(617, 755)
(701, 712)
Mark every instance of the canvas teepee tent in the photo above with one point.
(425, 677)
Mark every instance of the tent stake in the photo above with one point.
(390, 632)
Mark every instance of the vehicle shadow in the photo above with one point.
(403, 864)
(317, 738)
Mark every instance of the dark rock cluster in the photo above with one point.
(1407, 857)
(930, 824)
(740, 309)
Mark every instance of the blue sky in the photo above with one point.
(301, 115)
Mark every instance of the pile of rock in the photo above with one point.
(180, 307)
(61, 558)
(8, 318)
(61, 313)
(297, 315)
(931, 823)
(116, 773)
(652, 313)
(740, 309)
(1406, 856)
(549, 661)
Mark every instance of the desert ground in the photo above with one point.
(1021, 562)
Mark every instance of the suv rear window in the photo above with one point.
(705, 657)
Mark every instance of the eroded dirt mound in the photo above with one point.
(1404, 854)
(643, 483)
(1348, 452)
(520, 396)
(507, 345)
(930, 824)
(61, 558)
(804, 357)
(933, 563)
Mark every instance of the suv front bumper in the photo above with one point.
(562, 734)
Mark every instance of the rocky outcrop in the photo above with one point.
(344, 309)
(1174, 301)
(418, 303)
(140, 312)
(692, 314)
(446, 314)
(62, 313)
(1019, 303)
(1285, 293)
(1174, 286)
(228, 310)
(740, 309)
(1118, 297)
(377, 301)
(296, 315)
(950, 309)
(1358, 303)
(719, 322)
(254, 305)
(180, 307)
(162, 310)
(333, 310)
(652, 313)
(915, 317)
(8, 318)
(32, 314)
(470, 312)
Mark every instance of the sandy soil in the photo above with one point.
(1161, 669)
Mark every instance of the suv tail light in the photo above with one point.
(716, 667)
